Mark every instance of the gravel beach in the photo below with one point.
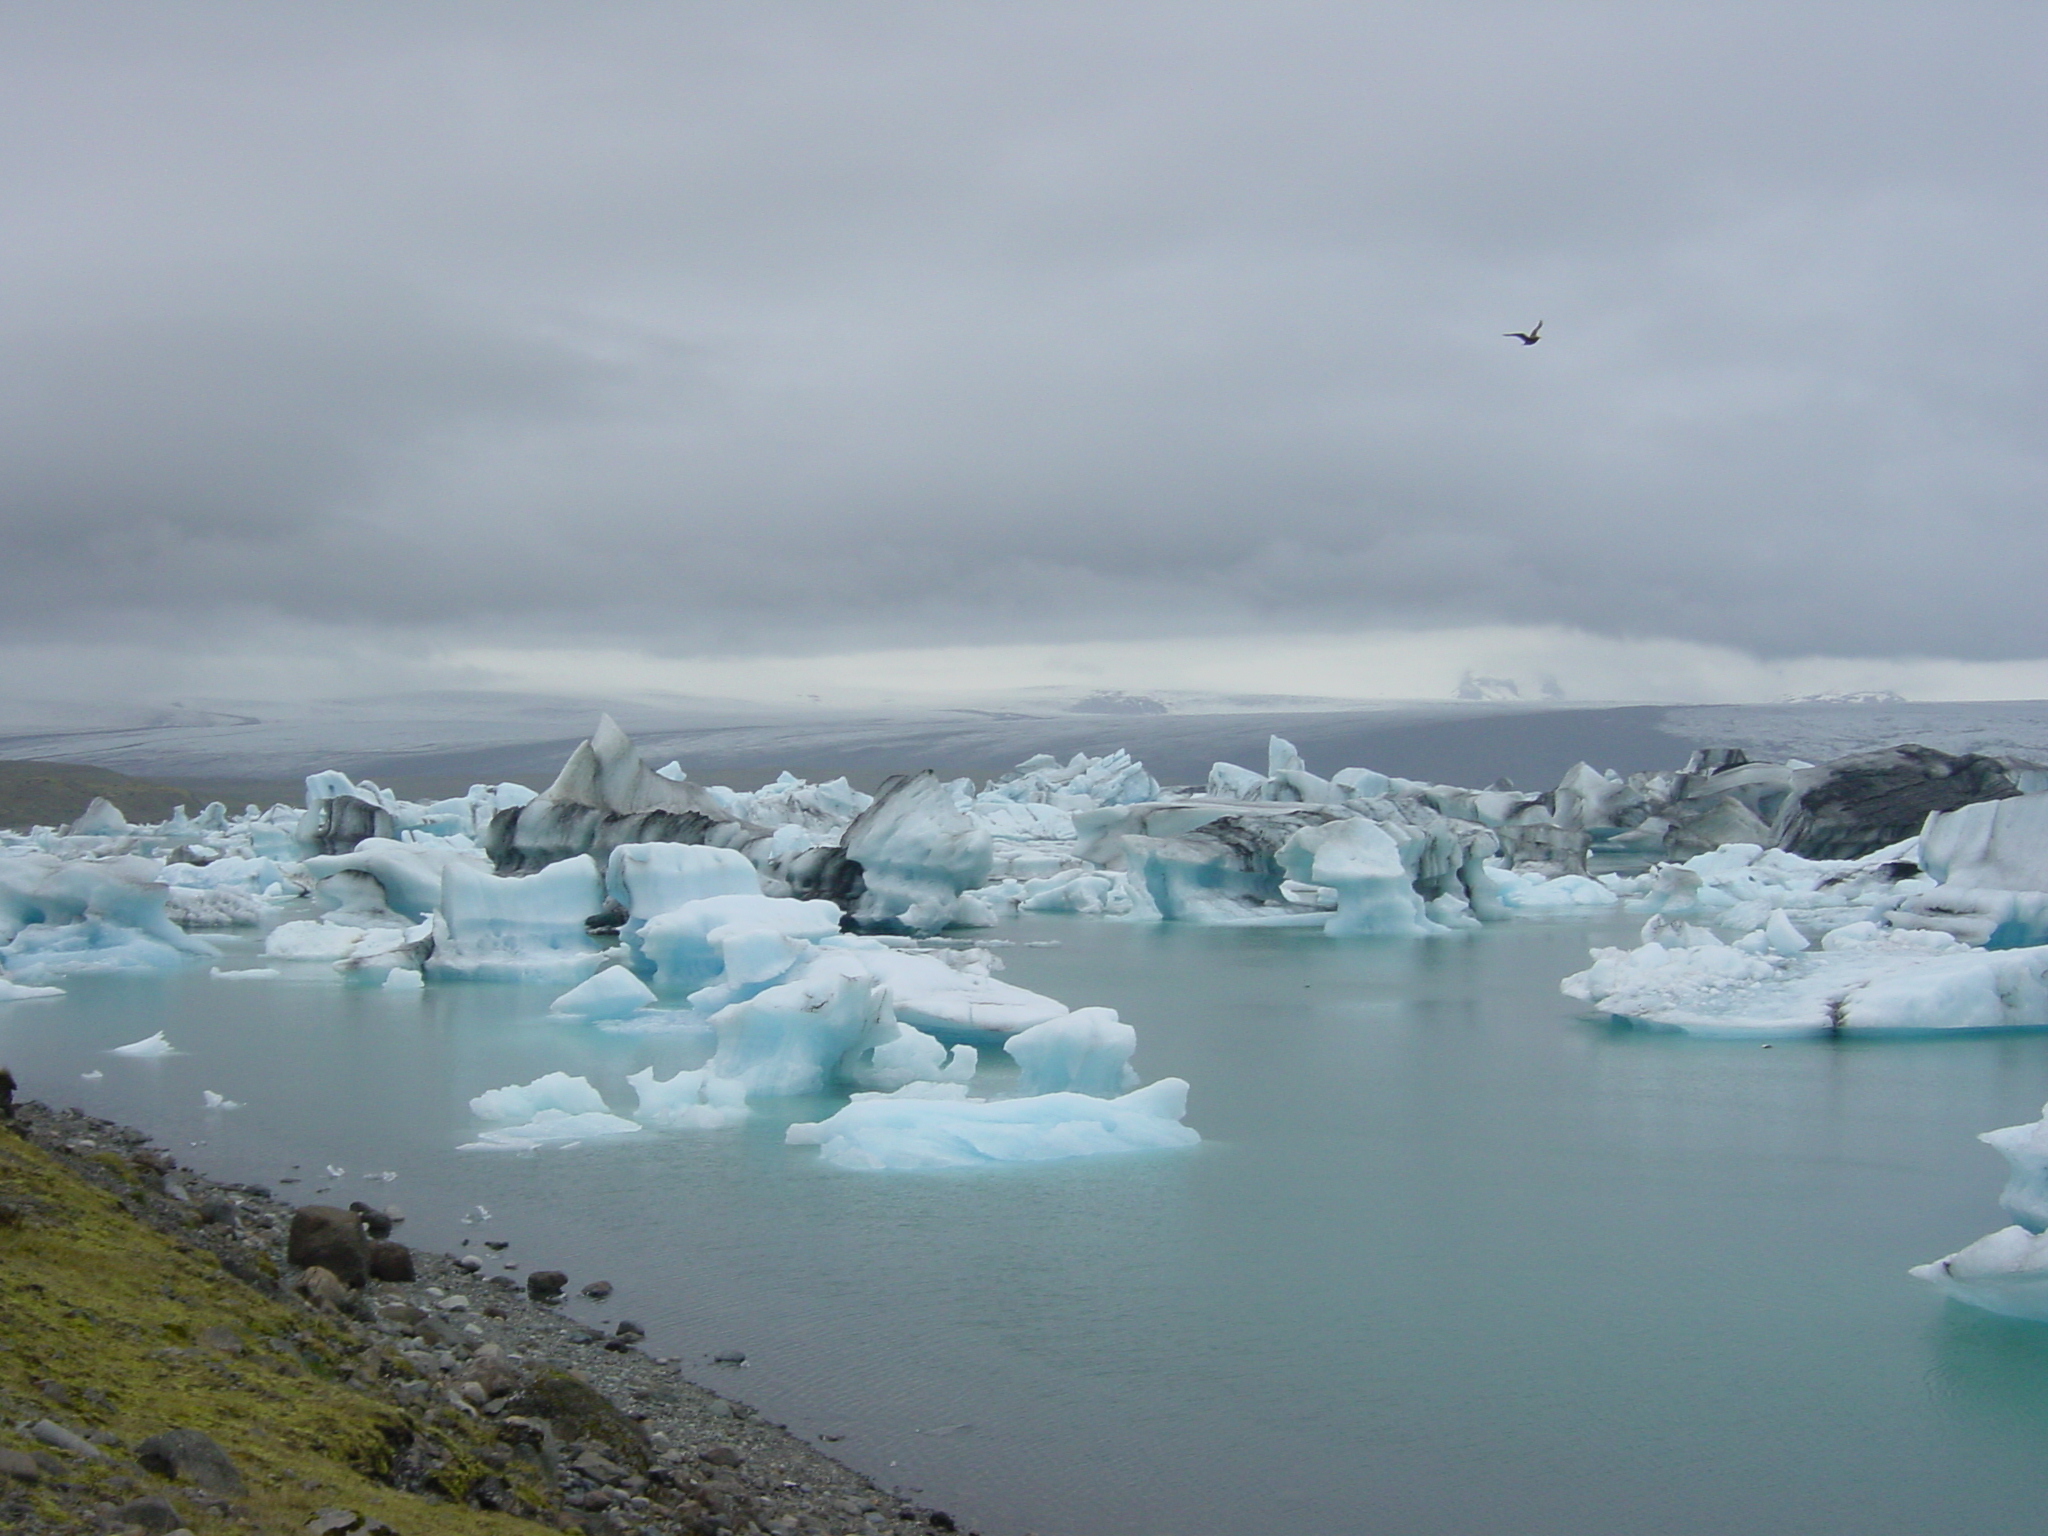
(557, 1422)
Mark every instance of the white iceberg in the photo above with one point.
(610, 994)
(152, 1046)
(1086, 1051)
(735, 941)
(1862, 979)
(524, 1101)
(698, 1100)
(518, 927)
(913, 1131)
(918, 854)
(213, 1100)
(550, 1126)
(15, 992)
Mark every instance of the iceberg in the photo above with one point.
(524, 1101)
(15, 992)
(698, 1100)
(1086, 1051)
(1358, 860)
(791, 1037)
(913, 1131)
(144, 1049)
(550, 1126)
(94, 915)
(604, 798)
(610, 994)
(918, 855)
(1861, 979)
(518, 927)
(735, 942)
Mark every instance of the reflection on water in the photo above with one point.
(1451, 1259)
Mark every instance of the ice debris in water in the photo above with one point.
(154, 1045)
(250, 973)
(2007, 1271)
(907, 1131)
(610, 994)
(214, 1100)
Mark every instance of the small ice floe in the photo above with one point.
(380, 1178)
(155, 1045)
(402, 979)
(479, 1213)
(93, 1076)
(15, 992)
(218, 1101)
(253, 973)
(334, 1172)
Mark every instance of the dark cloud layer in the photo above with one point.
(778, 326)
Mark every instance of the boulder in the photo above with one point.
(332, 1239)
(155, 1514)
(321, 1289)
(187, 1456)
(392, 1262)
(578, 1411)
(546, 1284)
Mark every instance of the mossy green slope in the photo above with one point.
(108, 1324)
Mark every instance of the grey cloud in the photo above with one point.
(781, 326)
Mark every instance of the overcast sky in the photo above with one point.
(459, 334)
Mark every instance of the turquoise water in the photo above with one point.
(1451, 1259)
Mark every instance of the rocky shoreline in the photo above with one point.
(488, 1399)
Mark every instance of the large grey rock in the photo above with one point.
(155, 1514)
(187, 1456)
(332, 1239)
(1856, 805)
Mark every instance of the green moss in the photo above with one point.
(109, 1308)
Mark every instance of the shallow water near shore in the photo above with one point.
(1451, 1258)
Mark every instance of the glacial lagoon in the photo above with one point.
(1451, 1258)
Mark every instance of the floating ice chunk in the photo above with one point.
(403, 979)
(648, 879)
(901, 1131)
(518, 927)
(2025, 1149)
(1085, 892)
(407, 875)
(1862, 979)
(15, 992)
(1520, 891)
(214, 1100)
(1994, 845)
(550, 1126)
(2005, 1272)
(76, 917)
(524, 1101)
(697, 1100)
(610, 994)
(1782, 936)
(93, 1076)
(154, 1045)
(102, 818)
(790, 1038)
(1359, 861)
(951, 1004)
(311, 939)
(918, 853)
(1086, 1051)
(735, 941)
(911, 1056)
(250, 973)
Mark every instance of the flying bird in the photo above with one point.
(1527, 338)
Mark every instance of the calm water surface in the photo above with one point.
(1451, 1259)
